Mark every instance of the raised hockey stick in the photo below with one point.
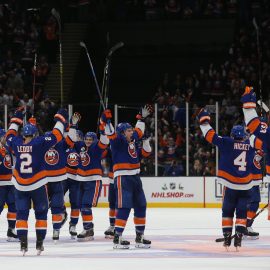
(82, 44)
(58, 18)
(257, 214)
(34, 83)
(259, 61)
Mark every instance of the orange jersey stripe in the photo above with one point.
(11, 215)
(258, 144)
(210, 135)
(126, 166)
(69, 142)
(140, 133)
(29, 181)
(119, 191)
(21, 224)
(57, 134)
(112, 137)
(120, 222)
(145, 154)
(57, 217)
(41, 223)
(89, 172)
(101, 145)
(5, 176)
(87, 218)
(241, 221)
(72, 171)
(239, 180)
(139, 221)
(268, 169)
(11, 132)
(251, 214)
(110, 175)
(253, 124)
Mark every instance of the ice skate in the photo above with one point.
(24, 244)
(227, 240)
(12, 236)
(109, 233)
(250, 234)
(56, 234)
(86, 235)
(39, 245)
(238, 240)
(120, 243)
(141, 242)
(72, 231)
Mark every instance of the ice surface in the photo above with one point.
(182, 238)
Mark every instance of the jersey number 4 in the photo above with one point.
(241, 161)
(26, 162)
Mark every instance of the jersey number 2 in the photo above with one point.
(241, 161)
(26, 162)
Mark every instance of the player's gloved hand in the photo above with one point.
(203, 116)
(18, 116)
(106, 116)
(33, 121)
(145, 112)
(259, 155)
(248, 98)
(62, 116)
(75, 118)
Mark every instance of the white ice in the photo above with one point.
(182, 238)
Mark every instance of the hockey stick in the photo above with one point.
(58, 18)
(82, 44)
(106, 73)
(257, 214)
(34, 84)
(259, 60)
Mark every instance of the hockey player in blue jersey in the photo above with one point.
(127, 182)
(235, 173)
(73, 186)
(89, 173)
(7, 189)
(30, 176)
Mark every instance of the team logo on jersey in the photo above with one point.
(264, 127)
(51, 157)
(257, 163)
(7, 162)
(85, 159)
(132, 150)
(73, 159)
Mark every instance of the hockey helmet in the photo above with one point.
(29, 130)
(92, 135)
(238, 132)
(121, 127)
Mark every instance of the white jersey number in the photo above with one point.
(26, 162)
(241, 161)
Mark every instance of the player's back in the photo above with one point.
(236, 163)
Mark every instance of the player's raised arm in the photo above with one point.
(146, 147)
(146, 111)
(71, 138)
(103, 139)
(109, 130)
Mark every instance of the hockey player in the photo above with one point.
(7, 189)
(127, 182)
(73, 186)
(29, 175)
(234, 172)
(89, 172)
(55, 165)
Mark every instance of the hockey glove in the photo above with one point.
(106, 116)
(18, 116)
(145, 112)
(204, 117)
(75, 119)
(62, 116)
(248, 98)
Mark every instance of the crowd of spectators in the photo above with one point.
(223, 84)
(24, 33)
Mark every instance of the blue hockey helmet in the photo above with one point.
(79, 134)
(2, 132)
(238, 132)
(121, 127)
(29, 130)
(48, 133)
(92, 135)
